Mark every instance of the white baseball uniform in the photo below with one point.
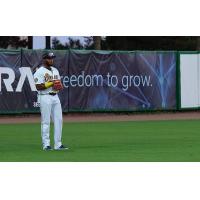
(50, 106)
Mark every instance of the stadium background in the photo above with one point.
(128, 129)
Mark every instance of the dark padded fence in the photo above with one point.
(93, 80)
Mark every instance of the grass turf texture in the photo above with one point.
(106, 141)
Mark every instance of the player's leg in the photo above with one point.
(45, 108)
(58, 121)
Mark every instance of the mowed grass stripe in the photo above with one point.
(155, 141)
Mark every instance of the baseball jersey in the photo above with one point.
(43, 75)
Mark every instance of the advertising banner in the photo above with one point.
(12, 97)
(121, 81)
(92, 80)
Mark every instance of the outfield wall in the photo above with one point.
(189, 80)
(103, 80)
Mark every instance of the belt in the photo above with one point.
(50, 93)
(53, 94)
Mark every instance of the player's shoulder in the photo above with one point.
(40, 70)
(53, 68)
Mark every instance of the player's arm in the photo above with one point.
(39, 81)
(44, 86)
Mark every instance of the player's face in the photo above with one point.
(49, 62)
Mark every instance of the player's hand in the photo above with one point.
(57, 85)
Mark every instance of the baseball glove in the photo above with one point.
(57, 85)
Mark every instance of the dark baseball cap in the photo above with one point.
(48, 55)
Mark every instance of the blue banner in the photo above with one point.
(92, 80)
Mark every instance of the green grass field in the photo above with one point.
(155, 141)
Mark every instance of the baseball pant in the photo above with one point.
(50, 108)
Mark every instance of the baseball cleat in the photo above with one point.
(47, 148)
(62, 147)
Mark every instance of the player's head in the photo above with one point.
(48, 58)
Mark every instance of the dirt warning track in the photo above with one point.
(98, 117)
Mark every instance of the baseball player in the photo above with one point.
(48, 84)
